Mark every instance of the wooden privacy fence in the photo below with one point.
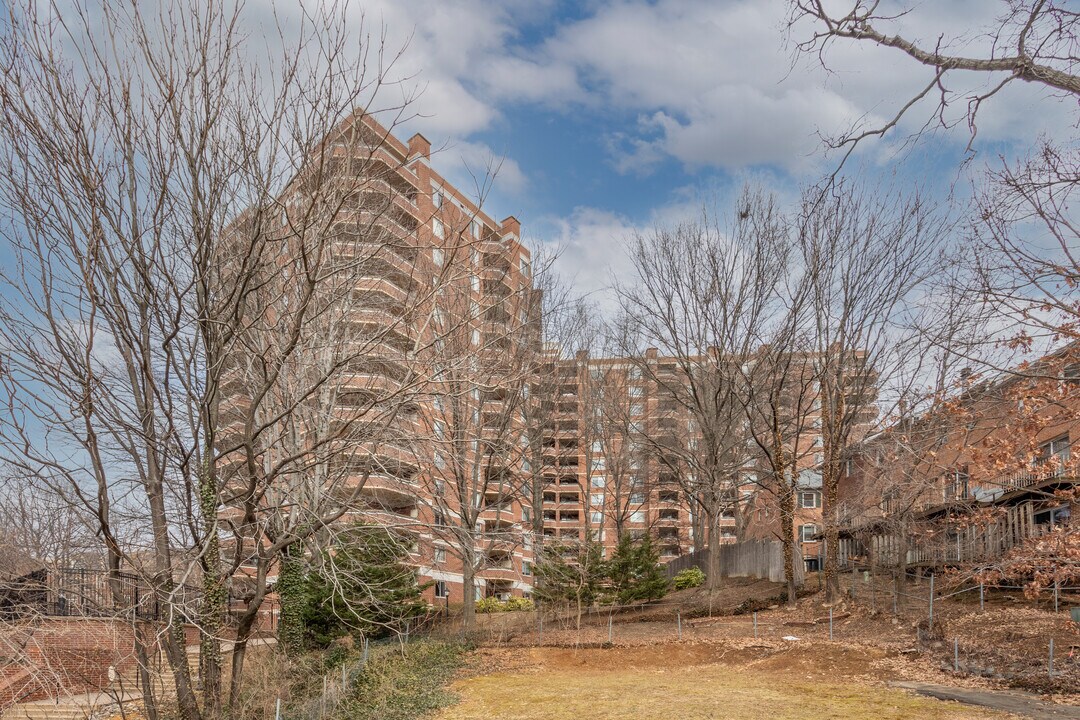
(953, 542)
(762, 559)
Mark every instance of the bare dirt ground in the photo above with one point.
(1002, 647)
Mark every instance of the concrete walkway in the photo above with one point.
(1017, 703)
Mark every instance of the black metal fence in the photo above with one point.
(81, 592)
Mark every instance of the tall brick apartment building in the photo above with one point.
(607, 473)
(427, 341)
(602, 475)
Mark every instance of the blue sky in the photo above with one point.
(612, 115)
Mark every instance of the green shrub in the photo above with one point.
(405, 685)
(635, 573)
(689, 578)
(494, 605)
(488, 605)
(364, 586)
(519, 603)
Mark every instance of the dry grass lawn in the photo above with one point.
(602, 684)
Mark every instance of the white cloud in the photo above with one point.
(477, 169)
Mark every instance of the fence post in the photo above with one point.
(678, 620)
(931, 602)
(365, 657)
(609, 629)
(1056, 584)
(541, 629)
(982, 596)
(830, 624)
(853, 580)
(956, 655)
(755, 625)
(343, 683)
(277, 709)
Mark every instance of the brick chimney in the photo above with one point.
(419, 146)
(510, 226)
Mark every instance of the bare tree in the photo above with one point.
(698, 294)
(484, 343)
(867, 257)
(1024, 261)
(779, 398)
(565, 328)
(1025, 237)
(175, 215)
(1033, 42)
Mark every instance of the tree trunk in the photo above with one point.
(239, 654)
(712, 579)
(291, 593)
(787, 537)
(832, 533)
(212, 606)
(145, 685)
(176, 651)
(901, 563)
(468, 584)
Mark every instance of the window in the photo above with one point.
(634, 373)
(475, 280)
(440, 430)
(1053, 516)
(474, 228)
(526, 514)
(441, 589)
(808, 500)
(637, 516)
(1056, 450)
(596, 518)
(1072, 373)
(440, 555)
(476, 337)
(597, 481)
(807, 532)
(636, 392)
(526, 567)
(637, 409)
(956, 486)
(637, 498)
(524, 266)
(437, 198)
(438, 229)
(598, 463)
(440, 519)
(597, 446)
